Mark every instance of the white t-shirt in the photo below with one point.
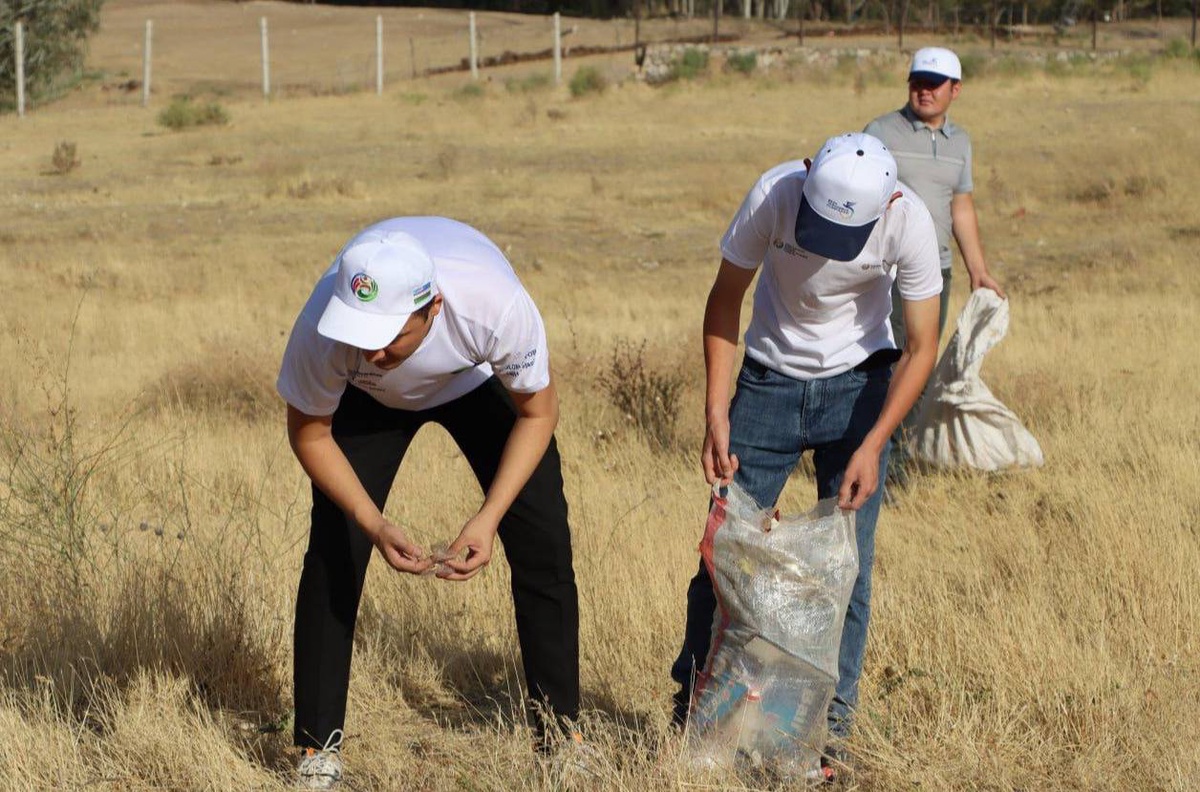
(488, 324)
(815, 317)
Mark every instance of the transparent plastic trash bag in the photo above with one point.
(782, 588)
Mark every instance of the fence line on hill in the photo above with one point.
(473, 61)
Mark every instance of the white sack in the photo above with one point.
(959, 422)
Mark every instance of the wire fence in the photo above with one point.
(307, 50)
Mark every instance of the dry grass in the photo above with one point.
(1031, 630)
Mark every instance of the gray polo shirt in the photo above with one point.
(935, 163)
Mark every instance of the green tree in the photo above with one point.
(56, 32)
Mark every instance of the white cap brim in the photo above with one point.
(369, 331)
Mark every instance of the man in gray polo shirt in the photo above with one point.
(934, 158)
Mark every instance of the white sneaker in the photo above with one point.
(321, 769)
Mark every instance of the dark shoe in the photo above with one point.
(682, 703)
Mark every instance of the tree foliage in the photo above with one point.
(55, 35)
(933, 14)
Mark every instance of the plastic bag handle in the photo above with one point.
(720, 491)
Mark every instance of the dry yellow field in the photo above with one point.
(1034, 630)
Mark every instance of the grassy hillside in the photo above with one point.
(1031, 630)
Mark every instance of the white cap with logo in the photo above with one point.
(935, 64)
(382, 278)
(847, 188)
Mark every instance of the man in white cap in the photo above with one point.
(934, 157)
(422, 320)
(831, 236)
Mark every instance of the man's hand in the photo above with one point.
(476, 538)
(986, 281)
(860, 480)
(715, 459)
(401, 554)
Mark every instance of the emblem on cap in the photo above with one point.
(845, 208)
(364, 287)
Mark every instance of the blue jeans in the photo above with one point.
(773, 419)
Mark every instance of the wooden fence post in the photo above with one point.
(992, 20)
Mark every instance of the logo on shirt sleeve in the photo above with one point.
(519, 364)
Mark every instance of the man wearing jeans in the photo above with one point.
(422, 320)
(831, 236)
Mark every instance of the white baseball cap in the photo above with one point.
(382, 278)
(847, 189)
(935, 64)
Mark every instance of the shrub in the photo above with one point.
(973, 64)
(586, 80)
(182, 113)
(64, 160)
(469, 92)
(648, 398)
(1100, 191)
(744, 62)
(55, 34)
(218, 384)
(1011, 66)
(1140, 69)
(1178, 48)
(691, 63)
(1142, 186)
(317, 187)
(527, 84)
(1066, 65)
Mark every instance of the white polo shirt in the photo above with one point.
(816, 317)
(488, 324)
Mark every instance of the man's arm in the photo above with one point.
(537, 416)
(908, 379)
(312, 442)
(722, 318)
(964, 223)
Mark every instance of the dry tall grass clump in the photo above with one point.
(1032, 629)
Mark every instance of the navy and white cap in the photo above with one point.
(847, 188)
(935, 65)
(382, 278)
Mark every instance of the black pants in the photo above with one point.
(535, 533)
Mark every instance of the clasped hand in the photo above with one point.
(475, 540)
